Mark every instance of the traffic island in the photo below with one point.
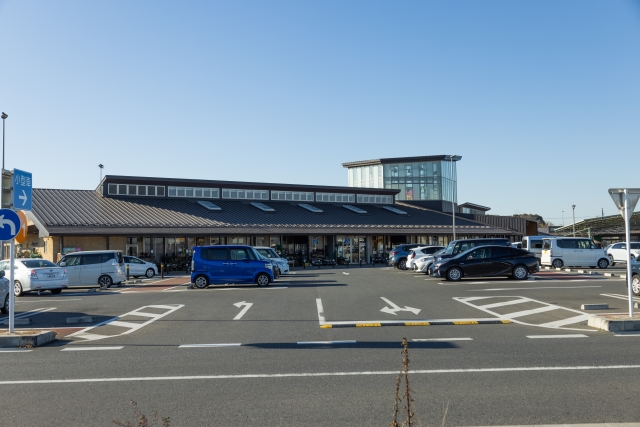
(26, 339)
(615, 322)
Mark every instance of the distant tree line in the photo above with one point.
(535, 217)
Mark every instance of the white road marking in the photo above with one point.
(394, 308)
(627, 334)
(558, 336)
(345, 273)
(247, 306)
(29, 313)
(14, 350)
(47, 300)
(441, 339)
(558, 324)
(92, 348)
(326, 342)
(266, 288)
(321, 317)
(233, 344)
(322, 374)
(539, 287)
(618, 296)
(177, 286)
(130, 327)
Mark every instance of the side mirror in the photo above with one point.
(63, 264)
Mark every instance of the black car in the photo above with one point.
(456, 247)
(487, 261)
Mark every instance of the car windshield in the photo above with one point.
(268, 253)
(37, 263)
(449, 249)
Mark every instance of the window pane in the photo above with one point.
(152, 190)
(132, 190)
(189, 192)
(122, 189)
(113, 189)
(160, 191)
(206, 193)
(172, 191)
(142, 190)
(198, 192)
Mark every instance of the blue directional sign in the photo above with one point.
(9, 224)
(22, 185)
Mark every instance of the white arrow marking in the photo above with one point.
(395, 308)
(23, 197)
(244, 310)
(9, 223)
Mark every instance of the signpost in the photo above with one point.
(21, 190)
(9, 228)
(626, 200)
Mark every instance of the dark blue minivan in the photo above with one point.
(229, 264)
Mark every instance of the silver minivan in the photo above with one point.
(103, 268)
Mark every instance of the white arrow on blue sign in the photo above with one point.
(9, 224)
(22, 190)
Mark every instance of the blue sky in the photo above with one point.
(541, 98)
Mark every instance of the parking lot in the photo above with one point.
(294, 353)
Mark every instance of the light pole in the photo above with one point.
(453, 198)
(574, 219)
(4, 116)
(101, 166)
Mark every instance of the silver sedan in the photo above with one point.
(139, 267)
(35, 274)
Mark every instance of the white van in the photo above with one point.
(103, 268)
(533, 244)
(572, 252)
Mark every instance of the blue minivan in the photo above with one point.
(229, 264)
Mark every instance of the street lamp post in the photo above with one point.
(453, 198)
(574, 219)
(4, 116)
(101, 166)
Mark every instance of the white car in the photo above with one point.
(419, 253)
(139, 267)
(618, 252)
(34, 275)
(422, 264)
(272, 255)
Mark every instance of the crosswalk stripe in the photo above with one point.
(504, 303)
(533, 311)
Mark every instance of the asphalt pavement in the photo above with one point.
(322, 347)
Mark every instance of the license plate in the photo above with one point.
(51, 275)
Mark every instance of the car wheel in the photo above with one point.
(17, 289)
(557, 263)
(201, 282)
(402, 264)
(603, 263)
(454, 274)
(150, 273)
(262, 279)
(611, 261)
(105, 281)
(5, 307)
(520, 272)
(56, 291)
(635, 285)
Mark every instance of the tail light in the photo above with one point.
(64, 273)
(33, 274)
(392, 253)
(411, 256)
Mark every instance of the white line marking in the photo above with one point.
(441, 339)
(345, 273)
(233, 344)
(558, 336)
(321, 317)
(569, 321)
(29, 313)
(326, 342)
(14, 350)
(321, 374)
(540, 287)
(124, 324)
(534, 311)
(248, 287)
(247, 306)
(92, 348)
(173, 287)
(353, 322)
(504, 303)
(627, 334)
(618, 296)
(47, 300)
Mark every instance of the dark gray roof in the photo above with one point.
(87, 212)
(402, 160)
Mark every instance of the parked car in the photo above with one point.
(422, 264)
(517, 245)
(139, 267)
(572, 252)
(488, 261)
(229, 264)
(94, 267)
(4, 293)
(533, 244)
(618, 252)
(272, 255)
(398, 255)
(35, 274)
(456, 247)
(635, 276)
(419, 252)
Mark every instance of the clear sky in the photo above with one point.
(541, 98)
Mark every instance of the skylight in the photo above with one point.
(208, 205)
(262, 207)
(394, 210)
(310, 208)
(354, 209)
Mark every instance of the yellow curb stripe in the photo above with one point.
(436, 323)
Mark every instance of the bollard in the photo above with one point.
(127, 267)
(162, 271)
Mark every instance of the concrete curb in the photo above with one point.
(25, 321)
(614, 325)
(444, 323)
(594, 306)
(23, 340)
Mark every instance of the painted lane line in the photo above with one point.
(47, 300)
(441, 339)
(247, 288)
(569, 321)
(540, 287)
(321, 317)
(558, 336)
(345, 273)
(29, 313)
(14, 350)
(247, 306)
(618, 296)
(233, 344)
(177, 286)
(627, 334)
(326, 342)
(322, 374)
(92, 348)
(504, 303)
